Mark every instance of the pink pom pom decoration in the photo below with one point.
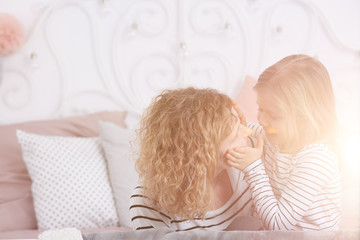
(11, 34)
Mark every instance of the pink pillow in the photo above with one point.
(247, 99)
(16, 205)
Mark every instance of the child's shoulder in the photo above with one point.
(316, 147)
(317, 151)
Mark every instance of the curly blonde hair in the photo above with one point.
(179, 139)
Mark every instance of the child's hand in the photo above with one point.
(241, 157)
(239, 113)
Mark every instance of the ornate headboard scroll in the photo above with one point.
(95, 55)
(90, 55)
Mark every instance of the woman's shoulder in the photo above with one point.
(143, 215)
(138, 196)
(138, 190)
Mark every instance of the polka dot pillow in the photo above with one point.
(70, 183)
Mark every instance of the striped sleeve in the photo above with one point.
(143, 215)
(256, 128)
(309, 176)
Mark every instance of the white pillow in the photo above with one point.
(123, 177)
(70, 185)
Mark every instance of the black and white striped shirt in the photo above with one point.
(144, 216)
(296, 192)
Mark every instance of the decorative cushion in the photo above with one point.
(247, 99)
(70, 183)
(120, 160)
(16, 203)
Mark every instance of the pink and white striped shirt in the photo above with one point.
(296, 192)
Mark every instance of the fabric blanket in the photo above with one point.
(165, 233)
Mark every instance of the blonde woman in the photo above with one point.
(185, 183)
(294, 179)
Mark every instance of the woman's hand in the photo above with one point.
(241, 157)
(239, 113)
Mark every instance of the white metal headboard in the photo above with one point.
(89, 55)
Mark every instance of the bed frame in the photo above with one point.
(83, 56)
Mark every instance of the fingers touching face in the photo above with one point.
(237, 137)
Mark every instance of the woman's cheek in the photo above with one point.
(239, 142)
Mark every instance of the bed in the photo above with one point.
(75, 87)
